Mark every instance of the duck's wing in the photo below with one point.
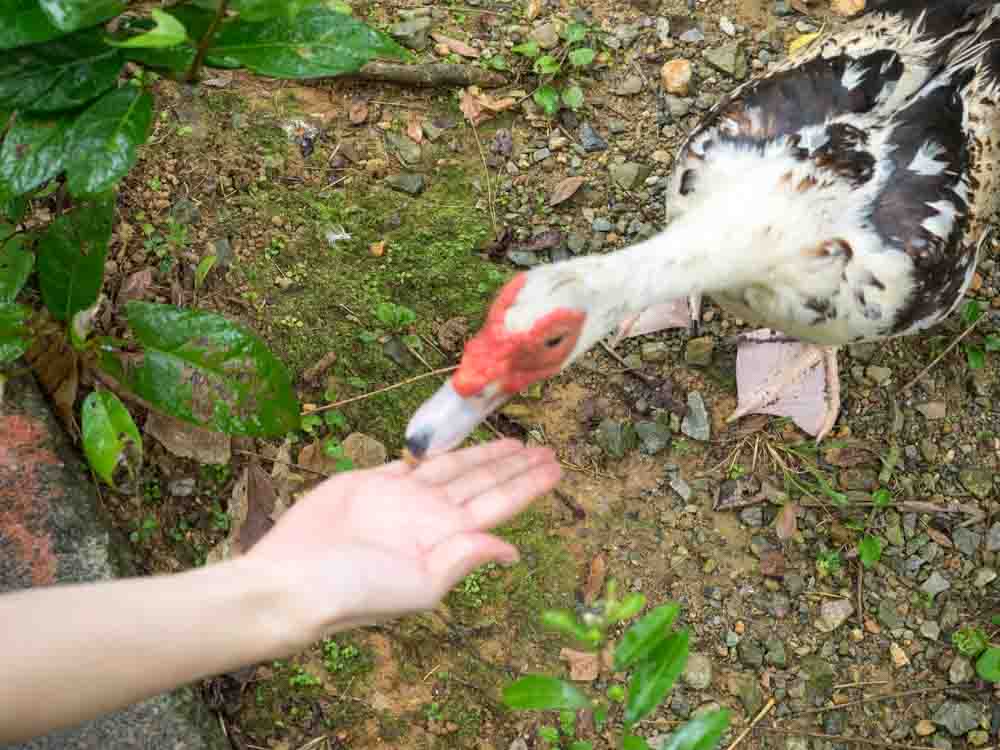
(866, 70)
(942, 190)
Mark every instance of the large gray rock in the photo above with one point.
(52, 531)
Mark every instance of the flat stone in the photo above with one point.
(631, 86)
(52, 531)
(653, 437)
(966, 540)
(625, 174)
(935, 584)
(677, 107)
(993, 538)
(412, 33)
(682, 488)
(930, 630)
(616, 438)
(412, 184)
(957, 717)
(694, 35)
(698, 671)
(729, 59)
(590, 140)
(961, 670)
(654, 351)
(696, 424)
(833, 614)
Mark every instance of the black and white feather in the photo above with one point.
(885, 135)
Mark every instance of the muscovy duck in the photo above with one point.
(843, 197)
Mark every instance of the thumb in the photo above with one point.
(454, 558)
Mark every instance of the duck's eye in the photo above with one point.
(553, 342)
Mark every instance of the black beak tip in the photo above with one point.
(418, 443)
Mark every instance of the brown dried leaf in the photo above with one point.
(187, 440)
(471, 107)
(595, 581)
(941, 538)
(135, 287)
(785, 525)
(497, 105)
(566, 190)
(261, 499)
(358, 112)
(56, 365)
(584, 666)
(377, 248)
(414, 127)
(455, 45)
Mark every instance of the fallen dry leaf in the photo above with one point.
(261, 499)
(414, 127)
(941, 538)
(497, 105)
(315, 372)
(532, 9)
(785, 525)
(595, 581)
(847, 7)
(358, 112)
(566, 190)
(377, 248)
(471, 107)
(584, 666)
(455, 45)
(56, 365)
(186, 440)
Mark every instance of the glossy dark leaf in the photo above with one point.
(105, 140)
(23, 22)
(15, 267)
(654, 676)
(14, 334)
(167, 32)
(70, 15)
(261, 10)
(33, 152)
(71, 257)
(318, 42)
(13, 209)
(988, 665)
(110, 437)
(202, 368)
(645, 635)
(62, 74)
(702, 733)
(537, 692)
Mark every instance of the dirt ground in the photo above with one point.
(297, 202)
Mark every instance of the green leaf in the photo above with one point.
(547, 98)
(633, 742)
(261, 10)
(870, 550)
(110, 437)
(549, 734)
(582, 57)
(971, 312)
(204, 369)
(992, 343)
(574, 32)
(14, 333)
(204, 268)
(71, 257)
(497, 62)
(62, 74)
(546, 65)
(654, 677)
(33, 152)
(881, 498)
(988, 665)
(627, 608)
(318, 42)
(564, 622)
(23, 22)
(645, 635)
(995, 620)
(527, 49)
(105, 140)
(572, 97)
(975, 356)
(14, 208)
(15, 267)
(702, 733)
(969, 641)
(542, 693)
(581, 745)
(167, 32)
(70, 15)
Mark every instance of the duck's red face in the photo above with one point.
(497, 363)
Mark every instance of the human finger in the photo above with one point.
(446, 467)
(504, 501)
(494, 473)
(454, 558)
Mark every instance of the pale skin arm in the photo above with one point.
(362, 547)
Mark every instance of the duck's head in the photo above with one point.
(539, 323)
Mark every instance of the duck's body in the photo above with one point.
(843, 197)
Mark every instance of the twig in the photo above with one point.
(760, 715)
(943, 354)
(489, 183)
(394, 386)
(861, 601)
(879, 698)
(206, 41)
(431, 74)
(860, 684)
(294, 465)
(842, 738)
(397, 104)
(620, 360)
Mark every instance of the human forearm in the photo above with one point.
(70, 653)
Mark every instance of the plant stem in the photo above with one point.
(206, 41)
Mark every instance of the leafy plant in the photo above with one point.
(76, 104)
(976, 350)
(395, 317)
(650, 650)
(975, 644)
(557, 86)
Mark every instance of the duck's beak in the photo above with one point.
(446, 419)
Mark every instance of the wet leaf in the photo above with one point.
(318, 41)
(702, 733)
(33, 152)
(542, 693)
(23, 22)
(14, 334)
(110, 438)
(785, 524)
(988, 665)
(105, 139)
(59, 75)
(200, 367)
(455, 45)
(870, 550)
(71, 257)
(566, 190)
(653, 677)
(166, 32)
(644, 636)
(70, 15)
(16, 264)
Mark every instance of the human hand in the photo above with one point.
(371, 545)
